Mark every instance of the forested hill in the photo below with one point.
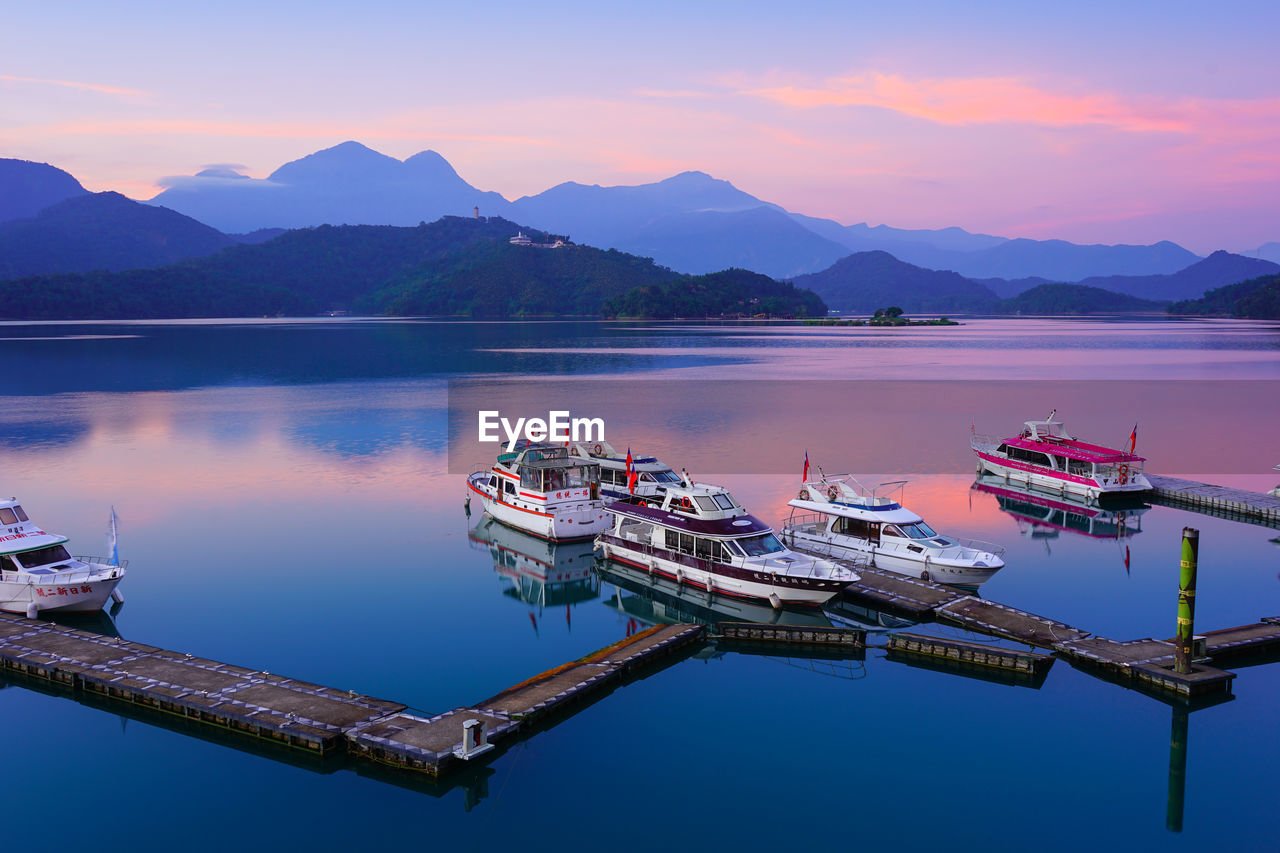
(453, 266)
(1257, 298)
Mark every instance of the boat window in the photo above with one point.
(731, 550)
(509, 487)
(891, 530)
(6, 564)
(673, 540)
(636, 531)
(686, 543)
(22, 516)
(7, 516)
(724, 501)
(856, 527)
(1035, 457)
(1079, 467)
(703, 547)
(705, 503)
(43, 556)
(919, 530)
(666, 476)
(756, 546)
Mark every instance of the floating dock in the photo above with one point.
(311, 718)
(757, 632)
(1144, 663)
(970, 659)
(1221, 501)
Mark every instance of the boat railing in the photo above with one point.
(983, 441)
(91, 573)
(973, 545)
(806, 521)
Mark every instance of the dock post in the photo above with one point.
(1177, 768)
(1187, 600)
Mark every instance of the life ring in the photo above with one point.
(1124, 474)
(598, 449)
(686, 503)
(833, 492)
(925, 576)
(804, 495)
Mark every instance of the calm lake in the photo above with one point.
(291, 494)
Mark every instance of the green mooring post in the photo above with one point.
(1187, 599)
(1177, 769)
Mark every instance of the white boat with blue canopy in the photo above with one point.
(836, 517)
(38, 574)
(652, 476)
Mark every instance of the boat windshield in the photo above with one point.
(758, 546)
(43, 556)
(665, 476)
(919, 530)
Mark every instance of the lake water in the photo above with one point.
(291, 499)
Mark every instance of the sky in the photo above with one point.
(1089, 122)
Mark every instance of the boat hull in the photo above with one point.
(559, 525)
(719, 578)
(86, 595)
(1021, 473)
(943, 570)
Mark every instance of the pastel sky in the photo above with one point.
(1093, 122)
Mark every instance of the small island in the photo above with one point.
(891, 316)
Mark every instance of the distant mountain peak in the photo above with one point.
(348, 161)
(220, 172)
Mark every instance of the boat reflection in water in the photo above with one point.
(540, 573)
(1040, 516)
(655, 600)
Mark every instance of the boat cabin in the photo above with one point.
(547, 468)
(27, 548)
(651, 474)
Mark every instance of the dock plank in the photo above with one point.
(1000, 620)
(1237, 504)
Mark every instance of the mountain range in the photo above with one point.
(689, 223)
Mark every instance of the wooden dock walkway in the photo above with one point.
(1031, 664)
(1147, 663)
(1221, 501)
(318, 720)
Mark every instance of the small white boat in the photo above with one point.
(1044, 456)
(699, 535)
(652, 476)
(541, 489)
(842, 520)
(38, 574)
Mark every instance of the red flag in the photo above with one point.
(632, 479)
(1126, 559)
(1133, 439)
(804, 478)
(628, 460)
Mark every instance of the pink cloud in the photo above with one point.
(979, 100)
(72, 84)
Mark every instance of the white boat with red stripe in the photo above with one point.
(37, 573)
(1044, 456)
(541, 489)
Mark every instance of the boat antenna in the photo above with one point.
(1051, 414)
(685, 473)
(821, 474)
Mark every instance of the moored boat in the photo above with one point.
(1044, 456)
(541, 489)
(651, 476)
(38, 574)
(836, 517)
(698, 534)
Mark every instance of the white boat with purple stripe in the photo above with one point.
(698, 534)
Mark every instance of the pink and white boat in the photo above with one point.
(1043, 456)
